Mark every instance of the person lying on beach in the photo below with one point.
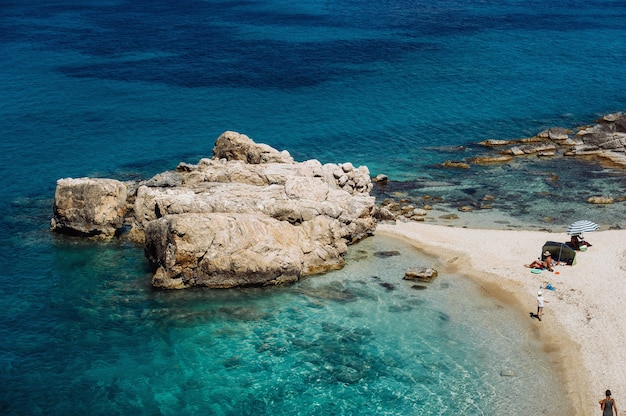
(547, 262)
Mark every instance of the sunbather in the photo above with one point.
(546, 263)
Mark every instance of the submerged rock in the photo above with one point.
(600, 200)
(388, 286)
(449, 217)
(384, 254)
(455, 164)
(508, 373)
(483, 160)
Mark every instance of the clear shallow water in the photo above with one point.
(523, 194)
(126, 89)
(359, 341)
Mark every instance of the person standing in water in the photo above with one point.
(608, 405)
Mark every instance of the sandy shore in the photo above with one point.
(584, 324)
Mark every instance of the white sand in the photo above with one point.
(584, 323)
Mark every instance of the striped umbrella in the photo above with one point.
(583, 226)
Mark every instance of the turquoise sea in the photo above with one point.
(127, 89)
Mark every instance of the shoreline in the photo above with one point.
(582, 328)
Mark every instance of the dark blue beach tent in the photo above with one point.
(560, 252)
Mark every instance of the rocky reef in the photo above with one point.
(249, 216)
(606, 140)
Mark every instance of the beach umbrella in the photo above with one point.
(583, 226)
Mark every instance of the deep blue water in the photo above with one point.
(126, 89)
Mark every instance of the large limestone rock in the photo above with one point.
(293, 193)
(277, 221)
(248, 216)
(235, 146)
(228, 250)
(89, 207)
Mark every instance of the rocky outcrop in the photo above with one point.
(89, 207)
(227, 250)
(248, 216)
(606, 139)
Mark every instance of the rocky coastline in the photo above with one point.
(604, 141)
(252, 216)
